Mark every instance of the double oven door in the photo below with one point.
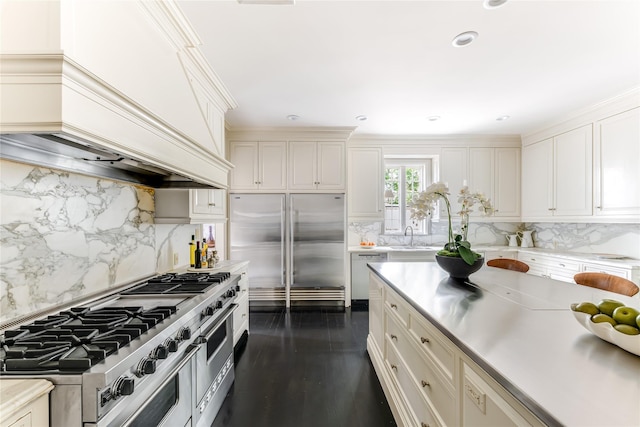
(192, 392)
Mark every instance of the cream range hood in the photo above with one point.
(67, 153)
(72, 99)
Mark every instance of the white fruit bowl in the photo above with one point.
(605, 331)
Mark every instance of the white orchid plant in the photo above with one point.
(424, 202)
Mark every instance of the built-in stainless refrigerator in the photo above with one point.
(295, 245)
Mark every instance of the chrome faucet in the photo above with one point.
(405, 233)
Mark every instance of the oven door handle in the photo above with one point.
(174, 371)
(231, 309)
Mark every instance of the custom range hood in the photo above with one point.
(144, 107)
(66, 153)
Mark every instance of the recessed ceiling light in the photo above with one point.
(492, 4)
(433, 118)
(361, 118)
(503, 118)
(293, 117)
(464, 39)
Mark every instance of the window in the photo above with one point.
(402, 179)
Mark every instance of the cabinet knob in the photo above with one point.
(424, 340)
(394, 367)
(395, 307)
(424, 425)
(425, 383)
(393, 337)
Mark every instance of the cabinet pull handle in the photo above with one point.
(424, 340)
(425, 384)
(394, 367)
(393, 337)
(212, 204)
(598, 207)
(533, 259)
(424, 424)
(561, 265)
(395, 307)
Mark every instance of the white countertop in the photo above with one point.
(520, 329)
(16, 394)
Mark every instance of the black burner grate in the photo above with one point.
(74, 340)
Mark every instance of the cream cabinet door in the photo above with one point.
(316, 165)
(506, 187)
(208, 202)
(537, 180)
(365, 183)
(481, 174)
(302, 165)
(573, 172)
(331, 166)
(453, 172)
(617, 165)
(272, 162)
(244, 175)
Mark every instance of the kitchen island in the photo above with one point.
(501, 349)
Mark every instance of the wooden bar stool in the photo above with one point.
(607, 282)
(509, 264)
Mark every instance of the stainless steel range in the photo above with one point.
(158, 354)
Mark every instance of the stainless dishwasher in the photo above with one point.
(360, 275)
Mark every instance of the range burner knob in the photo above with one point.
(171, 345)
(184, 334)
(219, 304)
(123, 386)
(237, 288)
(231, 293)
(208, 311)
(146, 366)
(160, 352)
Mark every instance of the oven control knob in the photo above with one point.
(231, 293)
(219, 304)
(123, 386)
(146, 366)
(184, 334)
(208, 311)
(171, 345)
(237, 288)
(160, 352)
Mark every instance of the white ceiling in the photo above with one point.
(393, 61)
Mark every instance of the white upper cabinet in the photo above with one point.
(537, 179)
(316, 165)
(190, 206)
(365, 183)
(557, 176)
(454, 162)
(617, 166)
(259, 165)
(495, 172)
(573, 172)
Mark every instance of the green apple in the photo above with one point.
(603, 318)
(607, 306)
(626, 315)
(627, 329)
(638, 320)
(586, 307)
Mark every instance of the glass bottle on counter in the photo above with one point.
(211, 241)
(192, 251)
(198, 256)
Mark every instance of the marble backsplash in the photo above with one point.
(65, 236)
(621, 239)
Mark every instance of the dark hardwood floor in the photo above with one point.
(305, 368)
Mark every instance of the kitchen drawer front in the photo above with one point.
(431, 384)
(597, 268)
(397, 306)
(419, 409)
(484, 404)
(427, 338)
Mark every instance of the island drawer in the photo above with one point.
(419, 409)
(398, 306)
(427, 338)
